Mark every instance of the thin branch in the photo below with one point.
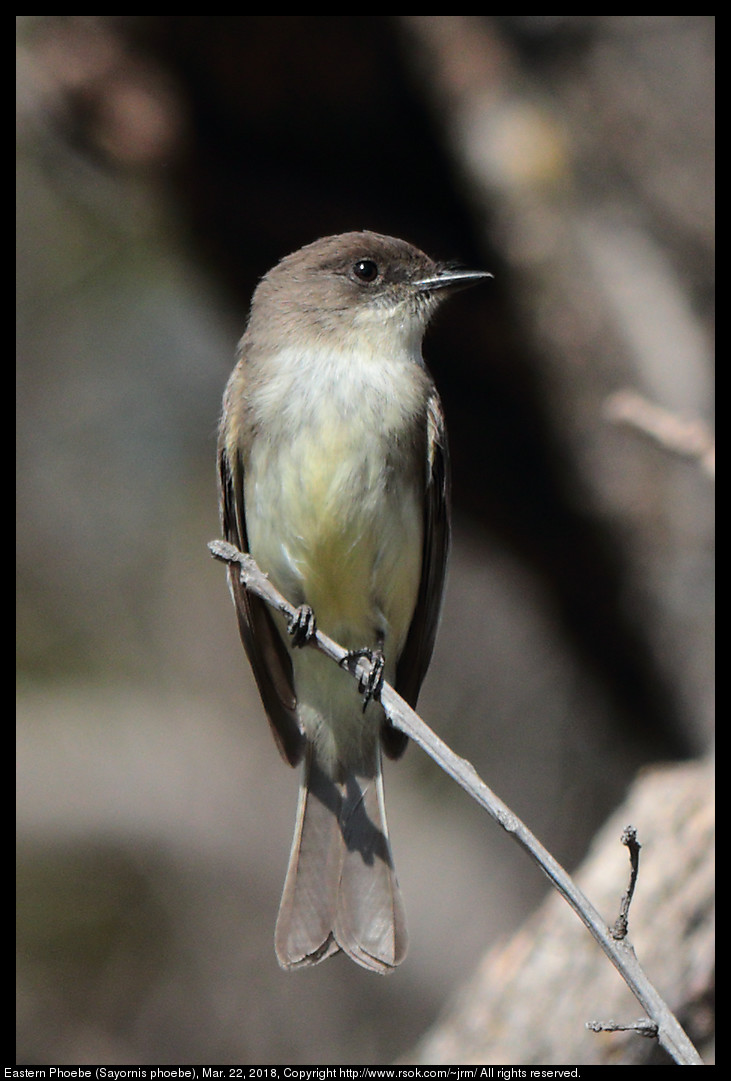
(643, 1027)
(621, 925)
(669, 1032)
(687, 438)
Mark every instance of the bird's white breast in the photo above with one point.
(333, 514)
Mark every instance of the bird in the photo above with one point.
(333, 474)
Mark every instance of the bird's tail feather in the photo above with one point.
(341, 891)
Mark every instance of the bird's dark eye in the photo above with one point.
(365, 270)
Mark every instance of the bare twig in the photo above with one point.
(621, 925)
(643, 1027)
(687, 438)
(669, 1031)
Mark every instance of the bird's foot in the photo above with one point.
(370, 682)
(302, 626)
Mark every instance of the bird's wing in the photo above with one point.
(416, 654)
(267, 652)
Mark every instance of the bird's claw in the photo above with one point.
(302, 626)
(370, 683)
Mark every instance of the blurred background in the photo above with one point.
(164, 163)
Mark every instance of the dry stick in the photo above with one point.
(686, 437)
(644, 1027)
(620, 952)
(621, 924)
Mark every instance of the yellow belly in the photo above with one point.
(335, 529)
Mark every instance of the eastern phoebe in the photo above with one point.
(334, 476)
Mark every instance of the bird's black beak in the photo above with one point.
(453, 278)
